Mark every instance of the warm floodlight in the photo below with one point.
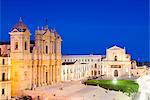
(129, 76)
(142, 95)
(114, 81)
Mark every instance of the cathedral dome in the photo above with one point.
(20, 26)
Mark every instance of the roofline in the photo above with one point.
(83, 55)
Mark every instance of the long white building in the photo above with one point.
(116, 63)
(75, 71)
(94, 62)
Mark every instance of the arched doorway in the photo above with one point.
(116, 73)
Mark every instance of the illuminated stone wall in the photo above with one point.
(117, 63)
(75, 71)
(5, 83)
(93, 62)
(34, 65)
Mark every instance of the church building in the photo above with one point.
(33, 63)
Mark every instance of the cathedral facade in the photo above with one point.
(36, 63)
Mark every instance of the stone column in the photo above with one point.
(35, 73)
(50, 47)
(53, 74)
(48, 77)
(42, 75)
(47, 70)
(50, 74)
(33, 82)
(39, 72)
(56, 73)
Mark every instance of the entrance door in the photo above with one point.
(116, 73)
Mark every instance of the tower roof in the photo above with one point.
(20, 26)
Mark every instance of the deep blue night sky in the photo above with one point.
(86, 26)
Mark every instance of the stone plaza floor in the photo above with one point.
(74, 90)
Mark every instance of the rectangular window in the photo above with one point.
(115, 58)
(25, 45)
(3, 91)
(99, 72)
(3, 76)
(16, 46)
(46, 49)
(115, 66)
(95, 65)
(3, 62)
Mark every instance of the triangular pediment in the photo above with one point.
(15, 30)
(115, 48)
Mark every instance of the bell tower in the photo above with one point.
(20, 51)
(20, 39)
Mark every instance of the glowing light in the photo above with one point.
(9, 61)
(142, 96)
(129, 76)
(114, 81)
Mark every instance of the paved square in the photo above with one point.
(74, 90)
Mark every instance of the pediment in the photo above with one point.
(115, 48)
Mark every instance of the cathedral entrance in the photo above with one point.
(116, 73)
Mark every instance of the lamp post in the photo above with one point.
(114, 81)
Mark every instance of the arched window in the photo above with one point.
(46, 50)
(115, 58)
(25, 45)
(16, 45)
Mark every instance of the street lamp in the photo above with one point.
(114, 81)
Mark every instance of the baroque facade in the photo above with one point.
(33, 63)
(117, 62)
